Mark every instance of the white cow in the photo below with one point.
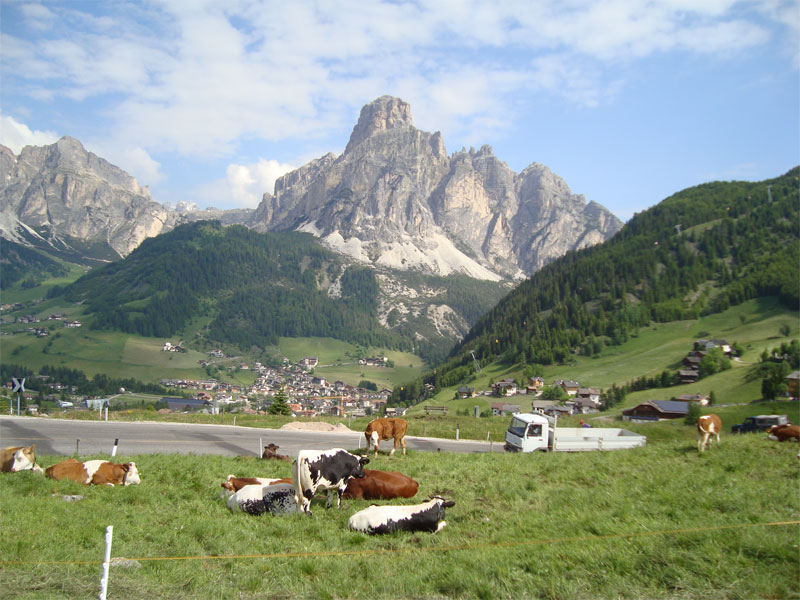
(427, 516)
(256, 499)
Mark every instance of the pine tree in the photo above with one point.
(280, 404)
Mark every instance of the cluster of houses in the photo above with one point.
(691, 362)
(41, 331)
(581, 400)
(308, 395)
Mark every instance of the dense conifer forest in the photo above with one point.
(698, 252)
(20, 263)
(253, 288)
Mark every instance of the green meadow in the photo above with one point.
(755, 325)
(658, 522)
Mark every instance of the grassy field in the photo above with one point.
(123, 355)
(338, 360)
(659, 522)
(755, 325)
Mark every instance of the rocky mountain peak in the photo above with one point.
(395, 199)
(72, 193)
(387, 112)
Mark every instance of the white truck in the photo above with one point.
(533, 431)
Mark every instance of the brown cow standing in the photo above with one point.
(707, 425)
(271, 452)
(781, 433)
(386, 429)
(381, 485)
(95, 472)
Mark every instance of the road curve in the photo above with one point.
(85, 438)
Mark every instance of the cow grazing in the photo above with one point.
(19, 458)
(428, 516)
(781, 433)
(387, 429)
(707, 425)
(324, 470)
(234, 484)
(95, 472)
(380, 485)
(271, 453)
(276, 499)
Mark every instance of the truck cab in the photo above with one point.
(528, 432)
(759, 423)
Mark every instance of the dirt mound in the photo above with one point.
(317, 426)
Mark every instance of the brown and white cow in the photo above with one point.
(386, 429)
(707, 425)
(781, 433)
(95, 472)
(19, 458)
(271, 453)
(380, 485)
(233, 484)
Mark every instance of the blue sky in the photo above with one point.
(629, 101)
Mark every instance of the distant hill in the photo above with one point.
(252, 288)
(696, 253)
(22, 264)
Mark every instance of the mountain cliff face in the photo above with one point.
(61, 194)
(395, 198)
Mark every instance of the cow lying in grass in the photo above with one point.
(19, 458)
(276, 499)
(781, 433)
(233, 484)
(380, 485)
(428, 516)
(271, 453)
(95, 472)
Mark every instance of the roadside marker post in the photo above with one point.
(18, 385)
(106, 563)
(114, 449)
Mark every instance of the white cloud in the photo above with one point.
(194, 78)
(16, 135)
(248, 183)
(37, 16)
(135, 160)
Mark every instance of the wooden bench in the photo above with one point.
(442, 410)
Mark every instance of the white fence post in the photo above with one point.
(106, 563)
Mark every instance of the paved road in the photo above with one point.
(60, 436)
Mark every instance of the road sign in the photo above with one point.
(18, 385)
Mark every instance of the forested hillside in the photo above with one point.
(252, 288)
(697, 252)
(26, 265)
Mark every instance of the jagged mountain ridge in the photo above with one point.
(76, 205)
(395, 198)
(60, 193)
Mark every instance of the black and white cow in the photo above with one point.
(324, 470)
(256, 499)
(428, 516)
